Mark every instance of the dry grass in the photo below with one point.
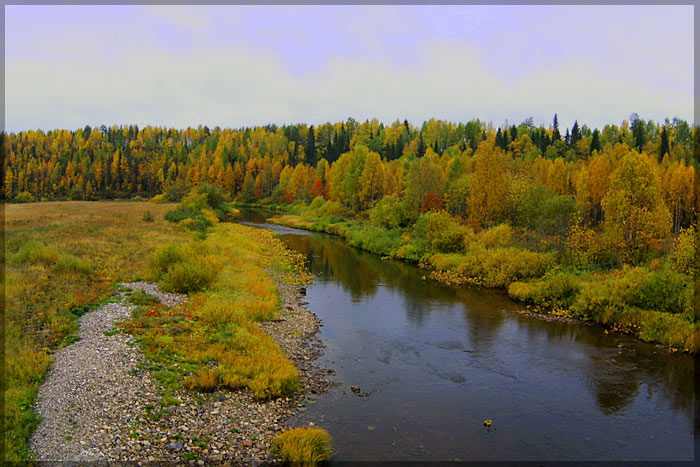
(61, 258)
(64, 258)
(304, 446)
(214, 338)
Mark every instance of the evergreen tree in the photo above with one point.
(421, 147)
(555, 132)
(310, 147)
(638, 131)
(575, 133)
(499, 138)
(513, 133)
(595, 141)
(663, 147)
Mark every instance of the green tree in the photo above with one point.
(556, 136)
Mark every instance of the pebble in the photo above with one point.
(93, 401)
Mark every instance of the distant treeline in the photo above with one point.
(433, 166)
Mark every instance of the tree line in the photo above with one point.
(525, 175)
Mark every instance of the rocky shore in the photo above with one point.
(99, 403)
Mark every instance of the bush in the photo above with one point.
(664, 291)
(304, 446)
(314, 207)
(165, 257)
(24, 197)
(389, 212)
(606, 296)
(557, 290)
(375, 239)
(174, 192)
(203, 206)
(187, 277)
(147, 217)
(34, 252)
(496, 237)
(71, 264)
(496, 267)
(331, 208)
(683, 257)
(442, 232)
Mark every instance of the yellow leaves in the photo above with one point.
(636, 214)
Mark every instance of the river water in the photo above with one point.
(433, 362)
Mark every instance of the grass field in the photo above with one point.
(65, 258)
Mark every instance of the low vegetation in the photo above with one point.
(61, 260)
(654, 301)
(304, 446)
(64, 259)
(213, 341)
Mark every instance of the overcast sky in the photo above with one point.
(234, 66)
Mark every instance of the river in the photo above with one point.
(433, 363)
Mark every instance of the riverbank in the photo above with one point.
(64, 260)
(615, 299)
(100, 402)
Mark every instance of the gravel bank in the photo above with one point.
(97, 402)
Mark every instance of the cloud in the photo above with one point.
(185, 16)
(239, 82)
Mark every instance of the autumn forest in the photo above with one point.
(546, 215)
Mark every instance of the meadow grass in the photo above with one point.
(213, 341)
(304, 446)
(63, 259)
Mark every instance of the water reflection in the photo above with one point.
(438, 360)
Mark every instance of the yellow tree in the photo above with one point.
(681, 180)
(9, 182)
(557, 180)
(635, 212)
(372, 181)
(488, 194)
(598, 184)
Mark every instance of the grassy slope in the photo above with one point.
(63, 258)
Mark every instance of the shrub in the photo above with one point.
(331, 208)
(557, 290)
(496, 267)
(375, 239)
(202, 207)
(147, 217)
(69, 263)
(187, 277)
(166, 256)
(683, 257)
(602, 298)
(24, 197)
(314, 207)
(664, 291)
(442, 231)
(496, 237)
(304, 446)
(389, 212)
(34, 252)
(176, 191)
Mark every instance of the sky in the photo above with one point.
(236, 66)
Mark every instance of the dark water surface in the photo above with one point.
(437, 361)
